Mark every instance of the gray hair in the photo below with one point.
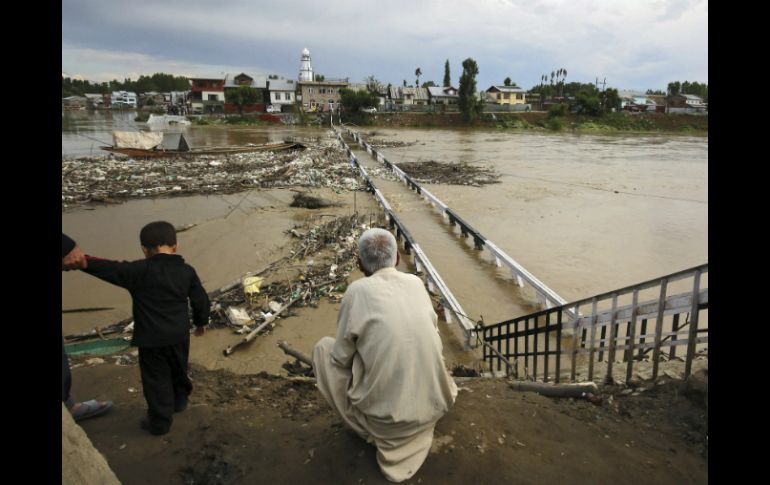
(377, 249)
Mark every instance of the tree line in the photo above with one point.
(160, 82)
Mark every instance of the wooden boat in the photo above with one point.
(174, 144)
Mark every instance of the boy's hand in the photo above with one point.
(199, 331)
(75, 259)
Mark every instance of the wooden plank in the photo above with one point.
(575, 336)
(558, 347)
(547, 335)
(534, 348)
(516, 350)
(674, 328)
(593, 339)
(631, 334)
(613, 339)
(659, 328)
(693, 326)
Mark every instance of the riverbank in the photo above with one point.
(264, 428)
(611, 122)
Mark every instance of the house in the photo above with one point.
(152, 98)
(233, 83)
(321, 95)
(123, 99)
(207, 95)
(95, 100)
(74, 102)
(506, 95)
(409, 96)
(283, 92)
(685, 103)
(443, 95)
(636, 101)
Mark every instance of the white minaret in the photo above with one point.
(305, 69)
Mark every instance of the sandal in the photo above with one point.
(89, 409)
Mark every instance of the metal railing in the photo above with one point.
(526, 342)
(546, 296)
(452, 308)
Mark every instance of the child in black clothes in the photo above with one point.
(160, 287)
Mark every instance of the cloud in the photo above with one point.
(632, 43)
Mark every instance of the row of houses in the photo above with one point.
(676, 103)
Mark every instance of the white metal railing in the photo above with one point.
(545, 295)
(453, 311)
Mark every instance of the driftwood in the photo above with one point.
(100, 331)
(295, 353)
(582, 389)
(253, 334)
(89, 309)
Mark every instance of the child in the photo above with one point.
(160, 286)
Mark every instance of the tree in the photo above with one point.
(428, 84)
(588, 101)
(242, 96)
(610, 99)
(468, 102)
(447, 81)
(507, 81)
(373, 85)
(353, 101)
(404, 82)
(418, 73)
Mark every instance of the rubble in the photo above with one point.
(113, 178)
(452, 173)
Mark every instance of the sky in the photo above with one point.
(632, 44)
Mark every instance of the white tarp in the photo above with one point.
(164, 120)
(136, 139)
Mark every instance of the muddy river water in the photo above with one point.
(584, 213)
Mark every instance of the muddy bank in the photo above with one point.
(622, 121)
(262, 428)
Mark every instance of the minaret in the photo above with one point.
(305, 69)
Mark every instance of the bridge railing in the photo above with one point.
(545, 295)
(602, 327)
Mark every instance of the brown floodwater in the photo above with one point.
(584, 213)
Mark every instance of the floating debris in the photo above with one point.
(111, 179)
(451, 173)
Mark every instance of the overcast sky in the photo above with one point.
(634, 44)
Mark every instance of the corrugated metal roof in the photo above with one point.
(507, 89)
(259, 81)
(282, 84)
(440, 91)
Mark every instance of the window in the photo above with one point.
(213, 97)
(507, 95)
(519, 96)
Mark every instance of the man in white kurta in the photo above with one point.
(384, 374)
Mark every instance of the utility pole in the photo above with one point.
(603, 83)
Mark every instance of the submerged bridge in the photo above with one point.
(627, 324)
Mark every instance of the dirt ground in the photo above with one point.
(271, 429)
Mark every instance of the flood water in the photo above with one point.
(585, 214)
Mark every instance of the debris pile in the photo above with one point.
(113, 179)
(322, 256)
(451, 173)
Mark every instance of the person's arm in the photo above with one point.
(345, 344)
(199, 301)
(120, 273)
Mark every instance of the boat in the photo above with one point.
(154, 145)
(161, 121)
